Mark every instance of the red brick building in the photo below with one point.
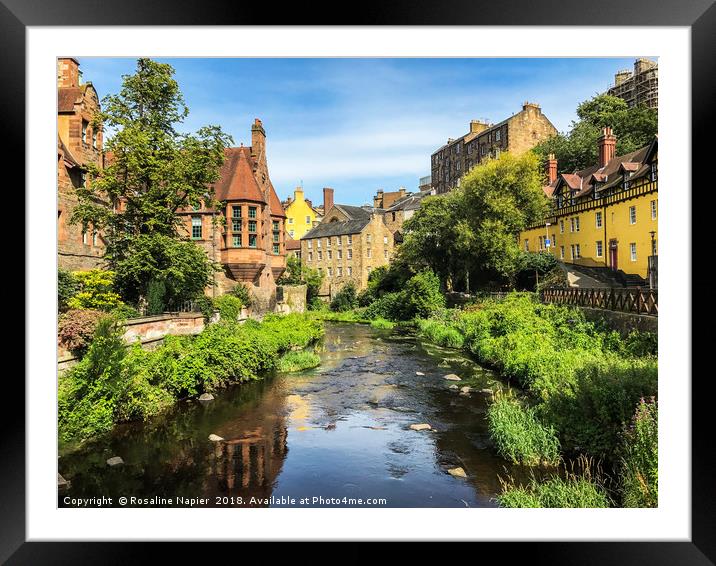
(246, 233)
(79, 143)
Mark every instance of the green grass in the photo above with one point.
(440, 333)
(382, 324)
(297, 361)
(519, 436)
(574, 491)
(345, 316)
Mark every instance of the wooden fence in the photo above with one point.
(633, 300)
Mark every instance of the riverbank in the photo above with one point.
(588, 389)
(113, 384)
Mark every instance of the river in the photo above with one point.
(336, 435)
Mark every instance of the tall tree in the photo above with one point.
(470, 234)
(634, 128)
(152, 170)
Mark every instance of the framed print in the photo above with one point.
(394, 279)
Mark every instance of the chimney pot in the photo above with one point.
(327, 199)
(551, 168)
(607, 146)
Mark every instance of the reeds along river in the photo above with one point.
(337, 435)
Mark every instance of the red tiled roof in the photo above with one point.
(292, 244)
(275, 203)
(236, 177)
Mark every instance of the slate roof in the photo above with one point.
(409, 202)
(337, 228)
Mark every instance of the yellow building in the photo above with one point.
(300, 214)
(603, 218)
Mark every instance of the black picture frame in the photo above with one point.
(699, 15)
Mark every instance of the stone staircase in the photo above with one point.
(607, 277)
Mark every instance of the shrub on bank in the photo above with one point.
(440, 333)
(96, 291)
(113, 383)
(382, 324)
(76, 328)
(297, 361)
(519, 435)
(640, 460)
(345, 299)
(229, 306)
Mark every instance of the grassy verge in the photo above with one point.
(297, 361)
(113, 384)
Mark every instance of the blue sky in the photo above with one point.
(358, 125)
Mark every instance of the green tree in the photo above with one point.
(634, 128)
(151, 172)
(298, 273)
(468, 237)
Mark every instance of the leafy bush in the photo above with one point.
(641, 343)
(345, 299)
(422, 295)
(124, 311)
(229, 306)
(67, 287)
(76, 328)
(297, 361)
(242, 293)
(519, 435)
(156, 293)
(640, 462)
(590, 413)
(206, 306)
(96, 291)
(440, 333)
(389, 306)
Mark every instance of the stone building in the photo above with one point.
(640, 87)
(347, 245)
(401, 210)
(603, 219)
(246, 233)
(517, 134)
(79, 143)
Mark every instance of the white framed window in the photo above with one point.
(290, 220)
(85, 239)
(308, 219)
(571, 251)
(632, 215)
(328, 242)
(330, 272)
(94, 237)
(653, 209)
(576, 223)
(350, 270)
(310, 244)
(350, 254)
(340, 254)
(339, 271)
(578, 251)
(94, 139)
(339, 241)
(561, 226)
(385, 240)
(599, 250)
(368, 253)
(598, 219)
(350, 239)
(632, 251)
(369, 238)
(561, 252)
(318, 243)
(571, 224)
(196, 227)
(310, 256)
(329, 254)
(291, 233)
(320, 256)
(85, 123)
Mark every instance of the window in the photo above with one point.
(350, 254)
(571, 251)
(236, 240)
(385, 254)
(276, 237)
(329, 254)
(599, 249)
(290, 220)
(252, 240)
(632, 215)
(196, 227)
(274, 225)
(368, 238)
(561, 252)
(320, 256)
(653, 210)
(632, 251)
(84, 237)
(94, 237)
(236, 224)
(561, 226)
(308, 219)
(571, 224)
(576, 223)
(497, 135)
(276, 249)
(339, 272)
(385, 240)
(252, 212)
(598, 219)
(393, 216)
(368, 253)
(328, 242)
(527, 245)
(310, 256)
(578, 251)
(340, 254)
(94, 139)
(541, 243)
(350, 240)
(310, 242)
(85, 123)
(291, 232)
(252, 226)
(318, 243)
(330, 272)
(350, 270)
(339, 241)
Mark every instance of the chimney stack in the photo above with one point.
(68, 72)
(607, 146)
(551, 168)
(327, 199)
(258, 144)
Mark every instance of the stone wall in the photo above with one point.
(623, 322)
(294, 299)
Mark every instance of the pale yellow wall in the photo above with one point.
(296, 215)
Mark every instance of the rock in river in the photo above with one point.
(419, 373)
(466, 389)
(206, 397)
(421, 426)
(215, 438)
(457, 472)
(453, 386)
(115, 461)
(452, 377)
